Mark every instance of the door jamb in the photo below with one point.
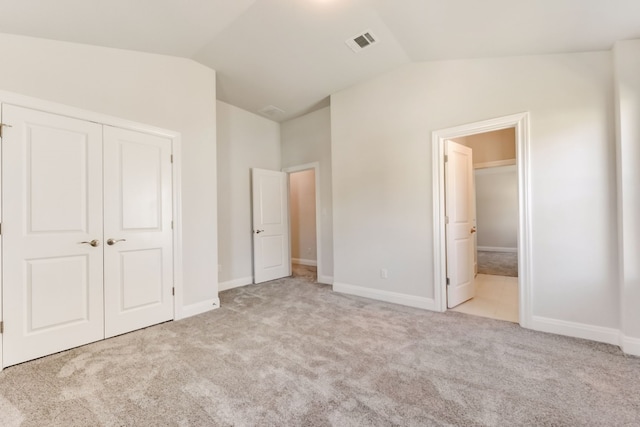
(520, 122)
(316, 168)
(176, 174)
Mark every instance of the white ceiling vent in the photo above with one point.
(360, 41)
(271, 111)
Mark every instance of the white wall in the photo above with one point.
(168, 92)
(302, 205)
(307, 139)
(497, 207)
(245, 141)
(382, 177)
(627, 84)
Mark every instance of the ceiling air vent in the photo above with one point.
(359, 42)
(271, 111)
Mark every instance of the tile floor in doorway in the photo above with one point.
(496, 298)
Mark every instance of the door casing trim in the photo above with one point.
(520, 122)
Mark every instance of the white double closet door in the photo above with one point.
(86, 230)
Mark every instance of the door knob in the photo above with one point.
(259, 231)
(112, 242)
(473, 230)
(94, 243)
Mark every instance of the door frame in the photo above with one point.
(520, 122)
(20, 100)
(315, 166)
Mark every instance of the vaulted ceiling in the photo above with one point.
(292, 53)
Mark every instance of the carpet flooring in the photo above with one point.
(305, 272)
(293, 353)
(498, 263)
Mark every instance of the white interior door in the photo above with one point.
(474, 225)
(137, 230)
(460, 229)
(52, 275)
(271, 251)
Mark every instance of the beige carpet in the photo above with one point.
(293, 353)
(498, 263)
(305, 272)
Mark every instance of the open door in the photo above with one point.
(271, 252)
(460, 229)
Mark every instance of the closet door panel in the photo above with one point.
(52, 211)
(137, 208)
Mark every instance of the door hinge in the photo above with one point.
(1, 327)
(446, 220)
(448, 282)
(173, 291)
(172, 225)
(0, 228)
(446, 158)
(172, 158)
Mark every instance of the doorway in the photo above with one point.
(304, 220)
(519, 124)
(495, 225)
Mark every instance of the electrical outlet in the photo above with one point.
(384, 273)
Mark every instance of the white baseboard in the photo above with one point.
(630, 345)
(576, 330)
(235, 283)
(327, 280)
(309, 262)
(387, 296)
(496, 249)
(199, 308)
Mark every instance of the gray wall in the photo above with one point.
(497, 207)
